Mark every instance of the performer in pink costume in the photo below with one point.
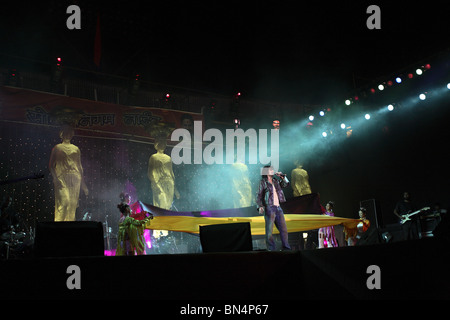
(326, 234)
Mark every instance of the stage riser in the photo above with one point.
(408, 270)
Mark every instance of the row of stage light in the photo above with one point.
(370, 115)
(387, 108)
(391, 83)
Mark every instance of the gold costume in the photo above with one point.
(65, 167)
(300, 181)
(242, 188)
(162, 179)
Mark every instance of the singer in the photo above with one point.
(268, 200)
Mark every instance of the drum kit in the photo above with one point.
(14, 242)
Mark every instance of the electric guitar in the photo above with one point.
(406, 217)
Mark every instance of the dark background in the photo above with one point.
(309, 52)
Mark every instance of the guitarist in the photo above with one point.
(405, 206)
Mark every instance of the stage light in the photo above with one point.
(390, 107)
(57, 73)
(134, 86)
(342, 125)
(386, 236)
(324, 134)
(372, 90)
(12, 78)
(422, 96)
(389, 83)
(276, 124)
(419, 71)
(321, 113)
(381, 87)
(311, 118)
(348, 102)
(448, 85)
(398, 80)
(427, 66)
(410, 75)
(367, 116)
(167, 98)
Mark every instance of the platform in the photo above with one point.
(416, 269)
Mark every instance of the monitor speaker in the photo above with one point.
(229, 237)
(69, 239)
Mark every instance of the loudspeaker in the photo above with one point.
(229, 237)
(69, 239)
(442, 230)
(393, 233)
(369, 237)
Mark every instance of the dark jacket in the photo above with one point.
(264, 196)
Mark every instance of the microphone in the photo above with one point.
(280, 174)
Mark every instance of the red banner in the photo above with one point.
(91, 117)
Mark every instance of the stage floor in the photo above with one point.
(416, 269)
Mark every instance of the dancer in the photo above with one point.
(268, 200)
(125, 198)
(327, 233)
(352, 236)
(129, 241)
(67, 172)
(137, 213)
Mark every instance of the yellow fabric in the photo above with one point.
(294, 222)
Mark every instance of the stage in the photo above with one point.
(416, 269)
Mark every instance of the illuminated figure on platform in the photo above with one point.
(352, 236)
(300, 181)
(67, 172)
(326, 234)
(241, 186)
(162, 180)
(129, 240)
(161, 177)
